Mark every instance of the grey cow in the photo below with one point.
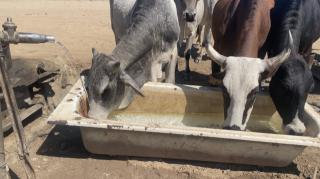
(121, 20)
(121, 13)
(149, 39)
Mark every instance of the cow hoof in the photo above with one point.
(213, 81)
(197, 60)
(205, 57)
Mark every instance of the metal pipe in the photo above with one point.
(7, 54)
(24, 37)
(12, 108)
(9, 35)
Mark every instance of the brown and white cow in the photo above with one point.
(240, 30)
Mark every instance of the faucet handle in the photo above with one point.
(9, 26)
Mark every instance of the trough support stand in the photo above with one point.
(12, 108)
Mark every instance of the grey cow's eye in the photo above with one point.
(106, 92)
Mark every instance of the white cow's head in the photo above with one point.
(190, 9)
(240, 83)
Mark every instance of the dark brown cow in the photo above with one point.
(240, 30)
(241, 26)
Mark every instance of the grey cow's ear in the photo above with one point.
(94, 52)
(129, 81)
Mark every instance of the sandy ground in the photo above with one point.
(57, 152)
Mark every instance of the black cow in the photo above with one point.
(293, 81)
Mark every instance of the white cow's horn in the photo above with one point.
(215, 56)
(275, 62)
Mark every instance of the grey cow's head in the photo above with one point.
(190, 6)
(240, 83)
(106, 85)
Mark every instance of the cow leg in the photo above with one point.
(188, 55)
(156, 68)
(171, 67)
(177, 64)
(181, 35)
(206, 40)
(200, 42)
(308, 57)
(200, 34)
(182, 24)
(187, 69)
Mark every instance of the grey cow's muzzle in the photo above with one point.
(98, 112)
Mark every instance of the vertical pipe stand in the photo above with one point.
(12, 108)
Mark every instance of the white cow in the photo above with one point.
(241, 77)
(195, 16)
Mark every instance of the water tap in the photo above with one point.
(10, 35)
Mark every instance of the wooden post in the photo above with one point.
(12, 108)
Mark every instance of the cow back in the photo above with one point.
(241, 26)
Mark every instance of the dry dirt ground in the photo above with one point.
(57, 152)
